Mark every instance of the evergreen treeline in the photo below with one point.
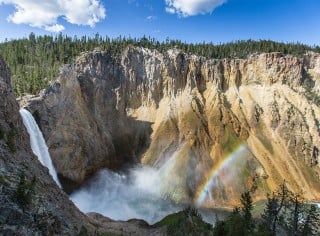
(285, 213)
(35, 60)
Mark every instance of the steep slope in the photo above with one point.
(22, 214)
(220, 126)
(30, 201)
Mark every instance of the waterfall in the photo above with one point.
(38, 144)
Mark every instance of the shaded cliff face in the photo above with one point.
(219, 126)
(48, 210)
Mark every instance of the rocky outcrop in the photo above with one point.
(84, 130)
(30, 201)
(226, 125)
(46, 212)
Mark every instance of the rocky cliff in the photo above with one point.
(30, 201)
(223, 125)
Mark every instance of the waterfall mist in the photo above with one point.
(141, 192)
(135, 194)
(38, 144)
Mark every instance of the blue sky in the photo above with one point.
(188, 20)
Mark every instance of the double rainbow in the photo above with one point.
(205, 188)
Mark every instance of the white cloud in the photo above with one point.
(54, 28)
(186, 8)
(151, 18)
(45, 13)
(170, 10)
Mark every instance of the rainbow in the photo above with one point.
(205, 188)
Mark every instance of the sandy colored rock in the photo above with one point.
(147, 107)
(49, 212)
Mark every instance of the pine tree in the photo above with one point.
(43, 55)
(246, 209)
(311, 223)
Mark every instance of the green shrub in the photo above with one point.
(83, 231)
(25, 190)
(106, 234)
(2, 180)
(1, 133)
(186, 223)
(11, 140)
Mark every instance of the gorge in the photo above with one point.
(227, 125)
(119, 196)
(31, 203)
(142, 127)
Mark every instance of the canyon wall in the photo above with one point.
(30, 201)
(48, 210)
(220, 126)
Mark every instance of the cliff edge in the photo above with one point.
(227, 125)
(30, 201)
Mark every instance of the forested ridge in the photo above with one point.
(35, 61)
(284, 213)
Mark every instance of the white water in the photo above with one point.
(141, 192)
(135, 194)
(38, 144)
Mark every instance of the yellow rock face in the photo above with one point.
(213, 128)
